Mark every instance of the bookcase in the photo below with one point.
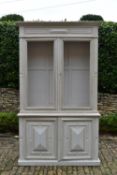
(58, 118)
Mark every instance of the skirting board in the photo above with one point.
(56, 163)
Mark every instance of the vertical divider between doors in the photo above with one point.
(60, 73)
(59, 63)
(60, 139)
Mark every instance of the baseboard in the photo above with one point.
(59, 163)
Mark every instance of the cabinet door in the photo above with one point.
(41, 82)
(76, 90)
(76, 139)
(41, 139)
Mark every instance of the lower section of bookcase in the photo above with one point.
(58, 141)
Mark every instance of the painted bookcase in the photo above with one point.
(58, 118)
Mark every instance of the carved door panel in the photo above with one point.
(76, 139)
(41, 139)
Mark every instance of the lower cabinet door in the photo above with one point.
(41, 139)
(59, 139)
(76, 139)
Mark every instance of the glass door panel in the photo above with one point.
(76, 91)
(40, 74)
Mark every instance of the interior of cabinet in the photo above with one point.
(40, 74)
(76, 74)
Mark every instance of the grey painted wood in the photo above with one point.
(58, 116)
(41, 136)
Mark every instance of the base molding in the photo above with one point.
(58, 163)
